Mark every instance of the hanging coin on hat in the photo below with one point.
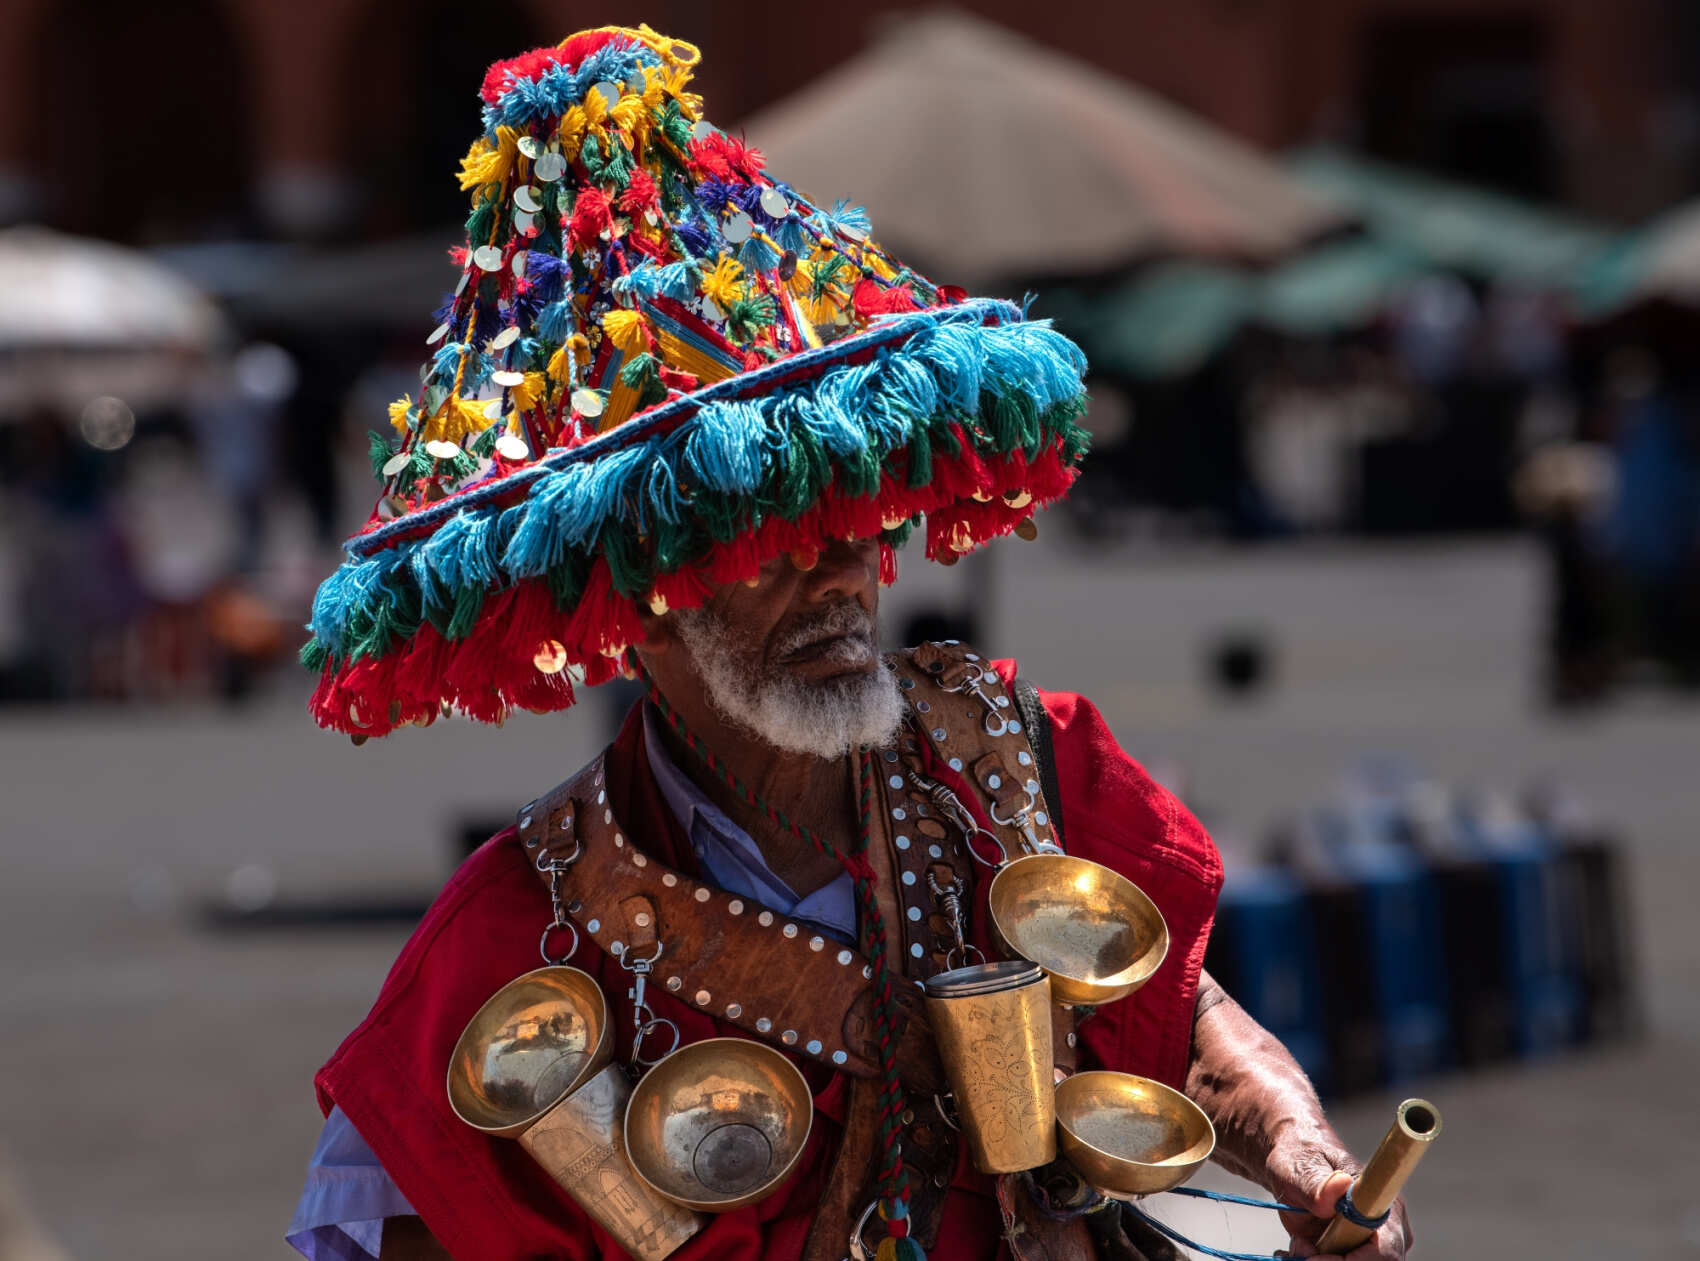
(773, 203)
(530, 146)
(507, 337)
(526, 198)
(550, 167)
(511, 447)
(397, 462)
(488, 257)
(507, 378)
(587, 403)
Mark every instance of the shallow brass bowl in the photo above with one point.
(718, 1124)
(1130, 1136)
(1092, 929)
(533, 1042)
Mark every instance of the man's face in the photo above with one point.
(793, 659)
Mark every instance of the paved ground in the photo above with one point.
(154, 1097)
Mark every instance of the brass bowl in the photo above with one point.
(1130, 1136)
(1092, 929)
(718, 1124)
(533, 1042)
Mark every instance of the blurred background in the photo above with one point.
(1387, 557)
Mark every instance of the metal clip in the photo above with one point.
(645, 1021)
(996, 724)
(556, 866)
(950, 904)
(957, 813)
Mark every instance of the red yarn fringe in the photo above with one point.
(494, 670)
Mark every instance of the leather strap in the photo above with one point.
(1037, 722)
(743, 963)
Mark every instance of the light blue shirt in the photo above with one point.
(340, 1216)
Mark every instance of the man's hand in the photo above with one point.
(1270, 1129)
(1316, 1176)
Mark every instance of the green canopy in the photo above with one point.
(1454, 226)
(1339, 285)
(1166, 322)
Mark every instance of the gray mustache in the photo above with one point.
(849, 618)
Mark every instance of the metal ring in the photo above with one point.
(965, 949)
(643, 1031)
(860, 1251)
(543, 943)
(1003, 854)
(948, 1117)
(994, 716)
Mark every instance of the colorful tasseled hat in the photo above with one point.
(661, 368)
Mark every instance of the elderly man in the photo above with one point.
(679, 422)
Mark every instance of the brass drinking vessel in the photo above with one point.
(533, 1064)
(1130, 1136)
(532, 1042)
(993, 1026)
(582, 1143)
(1093, 931)
(718, 1124)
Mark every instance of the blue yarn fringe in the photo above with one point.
(952, 363)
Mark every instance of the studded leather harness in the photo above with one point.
(811, 995)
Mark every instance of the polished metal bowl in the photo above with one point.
(532, 1043)
(718, 1124)
(1090, 928)
(1130, 1136)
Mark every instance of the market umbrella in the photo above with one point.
(984, 157)
(1659, 262)
(1336, 286)
(85, 318)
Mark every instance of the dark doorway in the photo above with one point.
(1460, 96)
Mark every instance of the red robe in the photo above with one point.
(484, 1198)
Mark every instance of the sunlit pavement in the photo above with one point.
(155, 1095)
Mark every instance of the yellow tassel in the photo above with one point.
(722, 285)
(398, 415)
(627, 330)
(630, 115)
(573, 124)
(882, 269)
(558, 365)
(486, 164)
(596, 112)
(529, 392)
(457, 420)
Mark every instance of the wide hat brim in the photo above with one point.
(502, 596)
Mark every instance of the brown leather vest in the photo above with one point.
(809, 994)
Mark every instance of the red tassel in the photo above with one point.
(592, 213)
(870, 299)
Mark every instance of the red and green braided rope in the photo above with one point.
(894, 1183)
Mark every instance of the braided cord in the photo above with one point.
(894, 1184)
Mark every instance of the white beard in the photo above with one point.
(828, 719)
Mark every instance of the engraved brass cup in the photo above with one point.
(993, 1025)
(532, 1064)
(1091, 929)
(718, 1124)
(1130, 1136)
(532, 1042)
(582, 1143)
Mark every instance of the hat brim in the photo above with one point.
(500, 597)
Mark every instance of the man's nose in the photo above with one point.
(843, 570)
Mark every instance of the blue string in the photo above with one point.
(1229, 1198)
(1350, 1211)
(1184, 1242)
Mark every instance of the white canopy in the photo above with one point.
(983, 156)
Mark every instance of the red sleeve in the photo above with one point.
(1116, 814)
